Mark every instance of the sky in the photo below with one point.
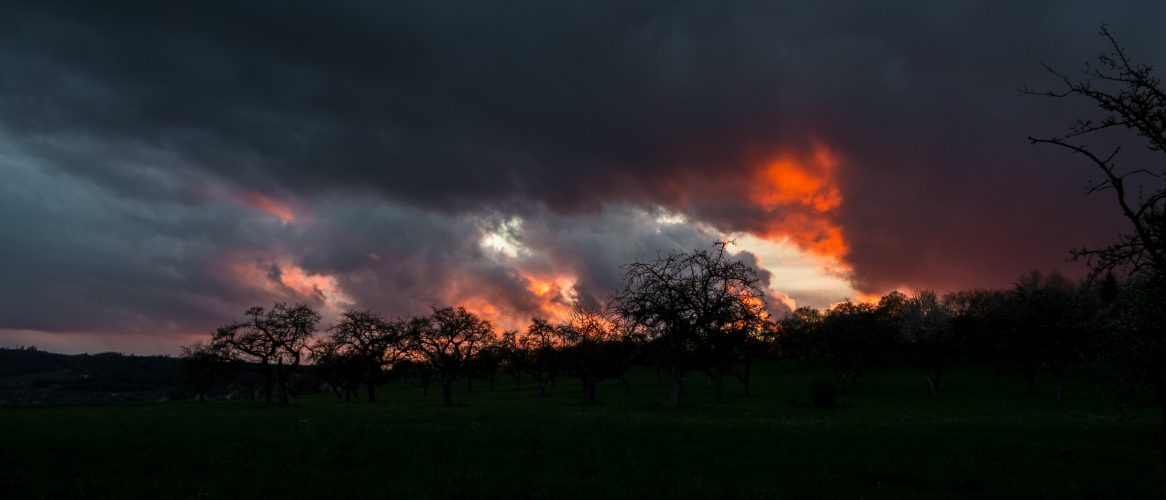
(166, 165)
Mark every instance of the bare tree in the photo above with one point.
(372, 342)
(275, 339)
(337, 367)
(447, 340)
(1132, 99)
(202, 365)
(690, 304)
(596, 347)
(541, 357)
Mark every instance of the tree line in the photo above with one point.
(697, 311)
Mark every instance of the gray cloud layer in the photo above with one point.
(130, 133)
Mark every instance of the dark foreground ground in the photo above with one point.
(983, 438)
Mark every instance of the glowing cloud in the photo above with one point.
(800, 196)
(281, 279)
(266, 204)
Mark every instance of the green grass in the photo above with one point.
(983, 438)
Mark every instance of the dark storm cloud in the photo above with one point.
(143, 142)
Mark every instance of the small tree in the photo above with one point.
(926, 335)
(850, 336)
(337, 367)
(542, 358)
(371, 342)
(275, 340)
(447, 340)
(202, 365)
(689, 304)
(795, 334)
(595, 347)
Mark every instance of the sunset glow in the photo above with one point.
(283, 280)
(801, 195)
(265, 204)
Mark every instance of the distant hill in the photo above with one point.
(28, 375)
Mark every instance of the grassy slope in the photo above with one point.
(983, 438)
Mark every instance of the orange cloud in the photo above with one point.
(543, 295)
(266, 204)
(800, 196)
(281, 279)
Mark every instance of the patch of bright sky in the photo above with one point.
(795, 273)
(505, 238)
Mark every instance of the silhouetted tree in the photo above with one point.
(541, 357)
(447, 340)
(202, 365)
(513, 358)
(690, 304)
(596, 348)
(1054, 311)
(337, 367)
(1132, 99)
(926, 335)
(850, 336)
(275, 339)
(373, 343)
(795, 334)
(973, 314)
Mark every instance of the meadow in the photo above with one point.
(984, 437)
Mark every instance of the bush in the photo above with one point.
(823, 394)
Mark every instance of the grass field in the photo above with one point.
(983, 438)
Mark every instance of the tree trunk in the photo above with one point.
(677, 386)
(542, 388)
(281, 384)
(626, 388)
(717, 384)
(446, 395)
(938, 375)
(470, 383)
(266, 381)
(372, 392)
(795, 364)
(930, 383)
(842, 380)
(590, 389)
(282, 391)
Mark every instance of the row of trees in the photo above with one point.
(699, 311)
